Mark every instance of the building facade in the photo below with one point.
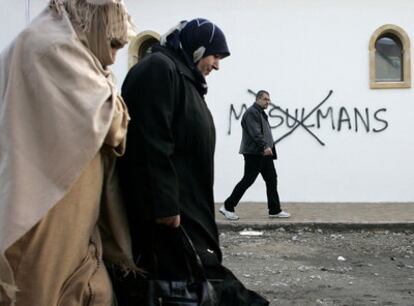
(339, 74)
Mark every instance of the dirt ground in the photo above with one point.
(319, 267)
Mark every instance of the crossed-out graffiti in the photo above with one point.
(339, 118)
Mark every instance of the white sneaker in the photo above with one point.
(228, 214)
(282, 214)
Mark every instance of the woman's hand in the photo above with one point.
(173, 221)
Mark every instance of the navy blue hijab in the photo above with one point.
(194, 40)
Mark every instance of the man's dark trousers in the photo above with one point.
(253, 165)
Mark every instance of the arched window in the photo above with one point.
(389, 59)
(140, 46)
(390, 66)
(145, 47)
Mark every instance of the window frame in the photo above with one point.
(136, 43)
(406, 57)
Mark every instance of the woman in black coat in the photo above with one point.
(167, 172)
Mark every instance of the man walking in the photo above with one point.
(259, 151)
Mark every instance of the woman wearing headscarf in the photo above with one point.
(62, 124)
(167, 172)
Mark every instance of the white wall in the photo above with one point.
(298, 50)
(13, 19)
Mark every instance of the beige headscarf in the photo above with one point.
(56, 105)
(98, 22)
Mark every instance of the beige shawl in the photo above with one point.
(56, 106)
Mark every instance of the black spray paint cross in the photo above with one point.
(299, 122)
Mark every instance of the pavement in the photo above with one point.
(335, 216)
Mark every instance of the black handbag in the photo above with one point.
(196, 291)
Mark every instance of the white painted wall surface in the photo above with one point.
(298, 50)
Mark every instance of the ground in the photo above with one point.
(321, 267)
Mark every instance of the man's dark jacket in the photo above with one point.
(257, 134)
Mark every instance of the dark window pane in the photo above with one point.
(145, 47)
(388, 59)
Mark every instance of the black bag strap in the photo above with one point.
(207, 295)
(193, 259)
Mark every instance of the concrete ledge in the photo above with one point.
(335, 226)
(333, 216)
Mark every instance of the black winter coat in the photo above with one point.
(168, 166)
(168, 170)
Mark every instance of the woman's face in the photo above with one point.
(113, 53)
(115, 46)
(208, 64)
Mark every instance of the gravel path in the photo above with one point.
(316, 267)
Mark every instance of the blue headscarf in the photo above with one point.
(195, 40)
